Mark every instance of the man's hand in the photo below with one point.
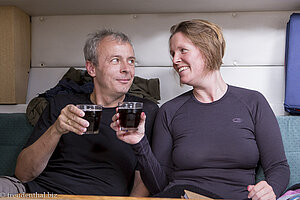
(70, 119)
(130, 136)
(261, 191)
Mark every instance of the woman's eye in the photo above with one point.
(183, 50)
(172, 53)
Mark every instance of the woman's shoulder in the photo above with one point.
(248, 96)
(244, 93)
(168, 110)
(178, 101)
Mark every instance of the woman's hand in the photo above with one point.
(70, 119)
(261, 191)
(129, 136)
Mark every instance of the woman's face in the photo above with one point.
(188, 61)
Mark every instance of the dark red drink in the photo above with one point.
(93, 117)
(129, 118)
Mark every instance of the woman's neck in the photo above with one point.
(211, 89)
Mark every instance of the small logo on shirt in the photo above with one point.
(237, 120)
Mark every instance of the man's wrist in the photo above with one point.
(54, 130)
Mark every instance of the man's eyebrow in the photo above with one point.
(115, 56)
(132, 57)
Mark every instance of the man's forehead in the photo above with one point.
(110, 44)
(112, 40)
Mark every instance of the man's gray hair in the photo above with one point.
(91, 45)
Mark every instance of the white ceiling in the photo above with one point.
(84, 7)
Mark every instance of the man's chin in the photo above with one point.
(123, 90)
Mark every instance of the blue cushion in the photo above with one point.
(290, 132)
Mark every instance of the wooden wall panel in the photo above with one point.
(7, 69)
(22, 53)
(14, 55)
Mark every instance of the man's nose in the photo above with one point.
(125, 67)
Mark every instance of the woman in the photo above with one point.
(212, 137)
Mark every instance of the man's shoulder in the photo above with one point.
(61, 100)
(71, 98)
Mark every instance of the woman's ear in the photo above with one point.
(90, 68)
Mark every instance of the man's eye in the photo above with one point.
(132, 62)
(115, 60)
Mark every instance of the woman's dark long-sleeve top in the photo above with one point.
(215, 146)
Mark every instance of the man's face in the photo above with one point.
(115, 70)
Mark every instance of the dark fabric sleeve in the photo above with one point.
(269, 141)
(47, 118)
(150, 110)
(152, 170)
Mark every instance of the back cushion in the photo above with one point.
(14, 132)
(290, 132)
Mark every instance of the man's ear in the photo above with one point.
(90, 68)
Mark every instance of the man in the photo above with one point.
(59, 158)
